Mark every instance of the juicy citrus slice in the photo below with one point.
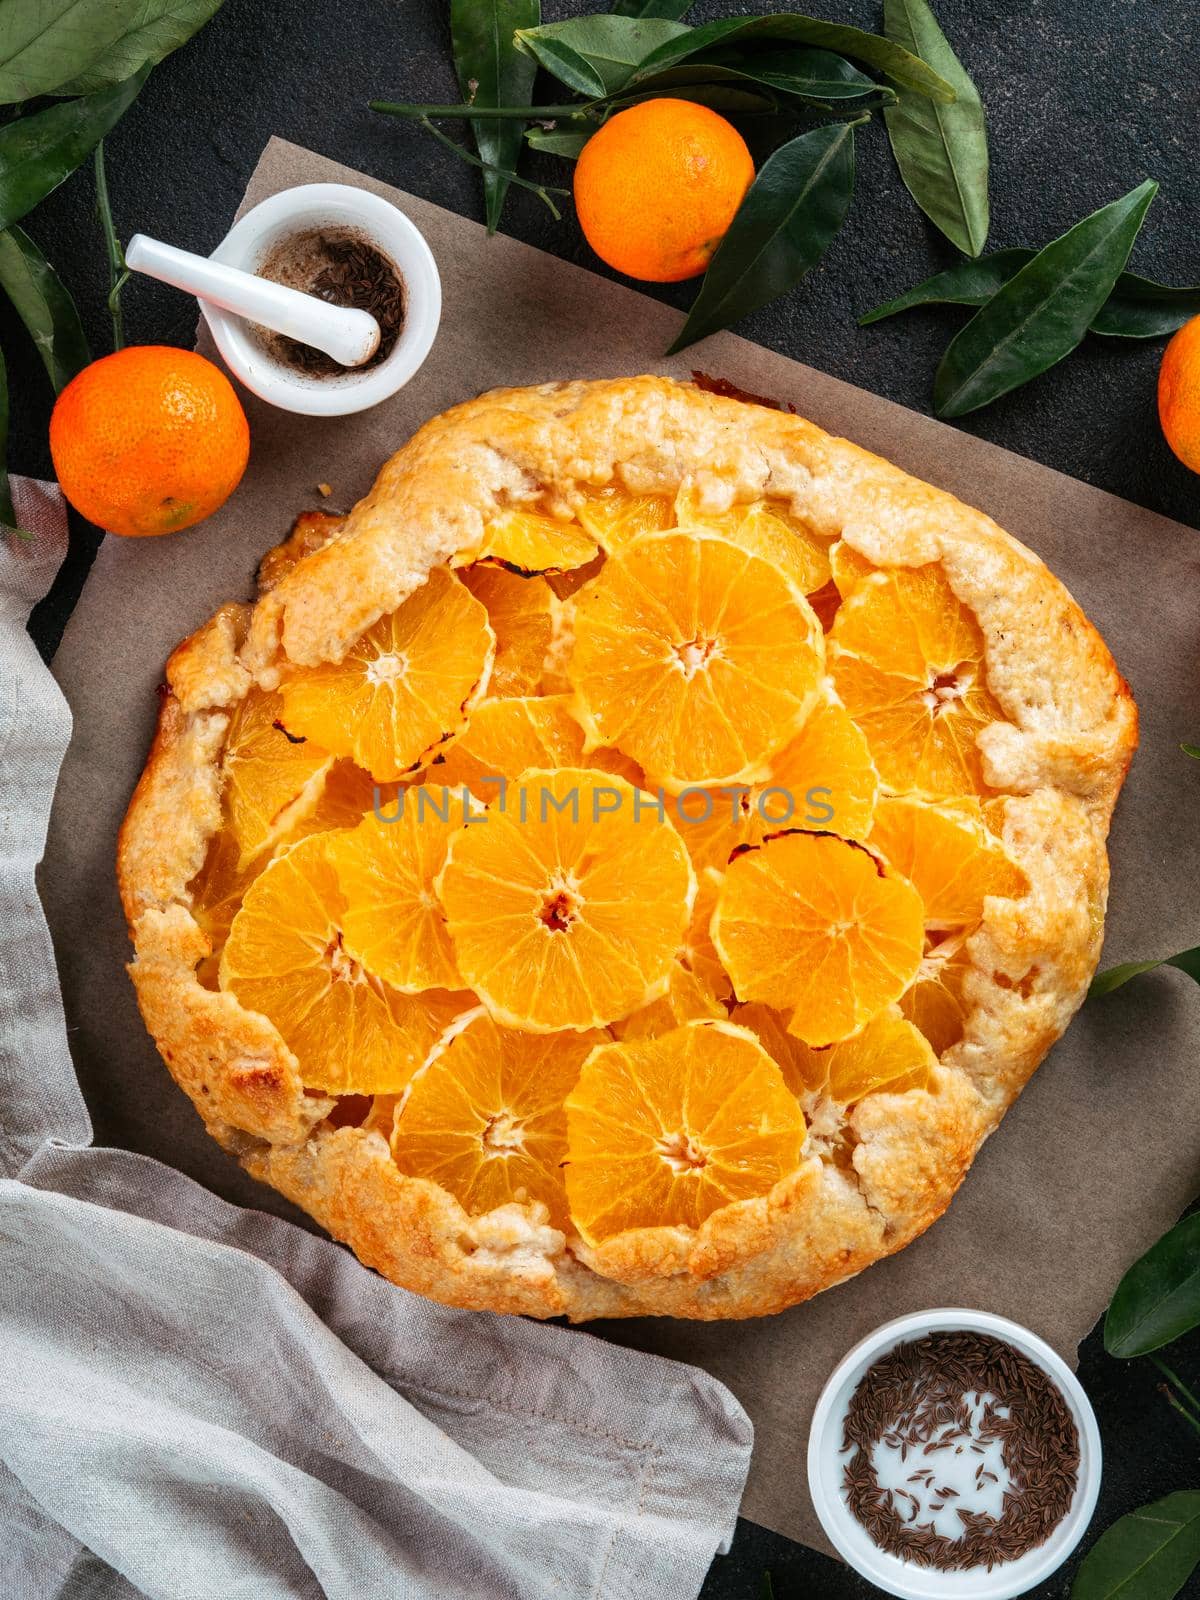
(568, 905)
(811, 924)
(696, 658)
(936, 1002)
(663, 1132)
(613, 516)
(285, 957)
(687, 1000)
(521, 612)
(848, 567)
(824, 779)
(907, 659)
(507, 737)
(347, 796)
(393, 922)
(528, 542)
(270, 773)
(889, 1056)
(770, 530)
(405, 687)
(699, 953)
(952, 861)
(485, 1119)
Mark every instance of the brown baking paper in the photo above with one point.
(1099, 1156)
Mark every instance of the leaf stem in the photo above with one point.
(118, 272)
(470, 113)
(1179, 1384)
(1182, 1410)
(543, 191)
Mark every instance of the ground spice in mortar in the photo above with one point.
(965, 1453)
(344, 268)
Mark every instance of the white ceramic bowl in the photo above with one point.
(329, 205)
(851, 1540)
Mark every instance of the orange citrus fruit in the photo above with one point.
(521, 612)
(657, 187)
(663, 1132)
(568, 903)
(393, 923)
(286, 957)
(404, 688)
(613, 516)
(1179, 394)
(485, 1119)
(687, 1000)
(770, 530)
(697, 658)
(266, 769)
(907, 660)
(505, 738)
(951, 860)
(813, 925)
(149, 440)
(888, 1056)
(936, 1002)
(527, 542)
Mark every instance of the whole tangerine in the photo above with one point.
(1179, 394)
(657, 187)
(149, 440)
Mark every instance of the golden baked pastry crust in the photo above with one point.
(1059, 759)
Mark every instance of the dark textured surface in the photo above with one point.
(1085, 98)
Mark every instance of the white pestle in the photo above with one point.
(351, 337)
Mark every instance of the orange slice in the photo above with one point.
(824, 780)
(889, 1056)
(405, 687)
(613, 516)
(568, 906)
(936, 1002)
(393, 923)
(953, 862)
(507, 737)
(687, 1000)
(285, 957)
(485, 1119)
(810, 924)
(848, 567)
(907, 660)
(699, 953)
(663, 1132)
(696, 658)
(267, 769)
(347, 796)
(521, 613)
(527, 542)
(770, 530)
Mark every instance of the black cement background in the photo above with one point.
(1085, 98)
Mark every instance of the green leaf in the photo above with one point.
(8, 517)
(1138, 308)
(611, 46)
(1192, 750)
(38, 152)
(78, 46)
(493, 72)
(815, 76)
(883, 55)
(1158, 1299)
(1043, 312)
(566, 64)
(557, 141)
(1147, 1555)
(786, 222)
(941, 150)
(969, 283)
(44, 306)
(674, 9)
(1114, 977)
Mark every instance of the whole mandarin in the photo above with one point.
(149, 440)
(657, 187)
(1179, 394)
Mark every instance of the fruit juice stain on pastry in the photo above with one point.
(959, 1452)
(623, 922)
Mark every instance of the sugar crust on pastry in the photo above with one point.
(1059, 760)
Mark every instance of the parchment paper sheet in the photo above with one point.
(1101, 1153)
